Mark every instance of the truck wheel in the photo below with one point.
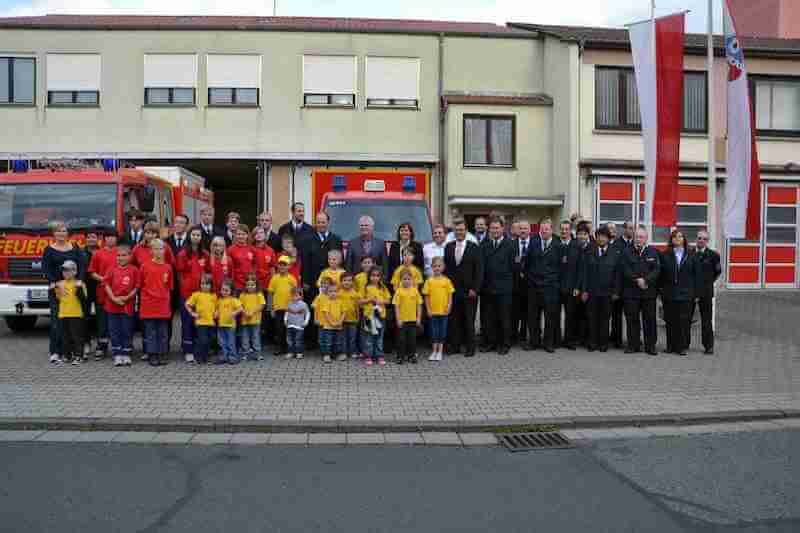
(19, 324)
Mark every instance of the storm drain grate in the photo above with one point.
(522, 442)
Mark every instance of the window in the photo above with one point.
(233, 80)
(169, 79)
(777, 105)
(392, 82)
(329, 81)
(17, 80)
(692, 214)
(73, 79)
(617, 102)
(489, 141)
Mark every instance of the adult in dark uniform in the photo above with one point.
(498, 283)
(585, 244)
(264, 220)
(464, 266)
(678, 280)
(641, 268)
(543, 273)
(314, 261)
(134, 233)
(519, 298)
(620, 243)
(405, 240)
(298, 228)
(708, 269)
(600, 288)
(572, 251)
(207, 226)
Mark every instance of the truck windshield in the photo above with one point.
(387, 214)
(32, 206)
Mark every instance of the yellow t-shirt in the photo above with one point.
(360, 282)
(335, 275)
(281, 289)
(407, 301)
(439, 289)
(204, 304)
(318, 305)
(225, 309)
(251, 301)
(375, 293)
(349, 299)
(69, 305)
(335, 308)
(415, 274)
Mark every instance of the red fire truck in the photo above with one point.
(83, 197)
(389, 196)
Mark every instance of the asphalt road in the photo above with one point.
(745, 482)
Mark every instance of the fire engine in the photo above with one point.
(84, 197)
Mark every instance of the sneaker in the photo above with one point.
(144, 357)
(368, 361)
(341, 357)
(381, 361)
(298, 356)
(433, 357)
(439, 356)
(118, 360)
(414, 359)
(189, 358)
(326, 359)
(55, 358)
(127, 360)
(260, 357)
(355, 356)
(289, 355)
(99, 353)
(77, 360)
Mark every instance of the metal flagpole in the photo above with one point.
(713, 227)
(648, 193)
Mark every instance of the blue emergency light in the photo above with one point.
(409, 184)
(19, 166)
(109, 165)
(339, 184)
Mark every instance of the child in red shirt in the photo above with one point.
(221, 265)
(243, 257)
(103, 261)
(143, 254)
(192, 263)
(120, 285)
(155, 307)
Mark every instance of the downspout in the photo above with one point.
(442, 116)
(581, 48)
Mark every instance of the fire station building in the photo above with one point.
(525, 120)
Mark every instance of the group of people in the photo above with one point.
(235, 288)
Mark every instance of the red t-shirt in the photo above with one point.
(191, 270)
(265, 262)
(122, 281)
(156, 289)
(244, 261)
(142, 254)
(220, 270)
(103, 260)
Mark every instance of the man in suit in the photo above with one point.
(519, 299)
(498, 284)
(314, 261)
(366, 244)
(135, 232)
(641, 268)
(210, 230)
(481, 230)
(298, 228)
(231, 224)
(176, 242)
(708, 269)
(543, 274)
(619, 243)
(599, 288)
(572, 251)
(464, 266)
(264, 220)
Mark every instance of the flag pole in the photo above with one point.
(713, 226)
(649, 194)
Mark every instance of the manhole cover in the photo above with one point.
(523, 442)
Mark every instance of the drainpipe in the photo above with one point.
(581, 47)
(442, 128)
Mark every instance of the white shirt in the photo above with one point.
(461, 246)
(180, 240)
(452, 236)
(429, 251)
(678, 255)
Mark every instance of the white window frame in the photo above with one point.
(235, 87)
(392, 101)
(330, 97)
(12, 58)
(169, 86)
(765, 244)
(77, 89)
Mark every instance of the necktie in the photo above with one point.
(365, 245)
(524, 248)
(496, 244)
(180, 243)
(459, 252)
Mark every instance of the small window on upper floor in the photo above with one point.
(489, 141)
(170, 80)
(392, 82)
(329, 81)
(234, 80)
(17, 80)
(73, 80)
(777, 105)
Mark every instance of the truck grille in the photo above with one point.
(25, 268)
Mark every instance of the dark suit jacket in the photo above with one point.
(315, 259)
(173, 243)
(571, 265)
(394, 259)
(543, 267)
(354, 253)
(520, 284)
(216, 231)
(274, 242)
(127, 238)
(498, 267)
(469, 274)
(708, 269)
(600, 276)
(646, 265)
(677, 281)
(301, 236)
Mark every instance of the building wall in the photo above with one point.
(767, 18)
(498, 65)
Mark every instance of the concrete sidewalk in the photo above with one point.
(754, 374)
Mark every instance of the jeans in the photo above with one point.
(120, 327)
(56, 338)
(156, 336)
(438, 325)
(188, 329)
(350, 338)
(295, 340)
(102, 327)
(203, 342)
(227, 342)
(373, 344)
(250, 340)
(330, 341)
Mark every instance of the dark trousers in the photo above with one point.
(599, 311)
(677, 315)
(496, 311)
(640, 316)
(616, 322)
(56, 337)
(203, 343)
(73, 331)
(571, 334)
(706, 306)
(461, 324)
(407, 340)
(156, 336)
(120, 329)
(519, 313)
(538, 304)
(279, 329)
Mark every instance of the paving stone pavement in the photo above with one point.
(756, 367)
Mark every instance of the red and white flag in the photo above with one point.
(742, 214)
(657, 47)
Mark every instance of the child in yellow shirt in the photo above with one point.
(280, 287)
(253, 303)
(408, 310)
(72, 295)
(350, 298)
(228, 308)
(334, 270)
(360, 281)
(373, 307)
(202, 305)
(331, 324)
(438, 292)
(408, 265)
